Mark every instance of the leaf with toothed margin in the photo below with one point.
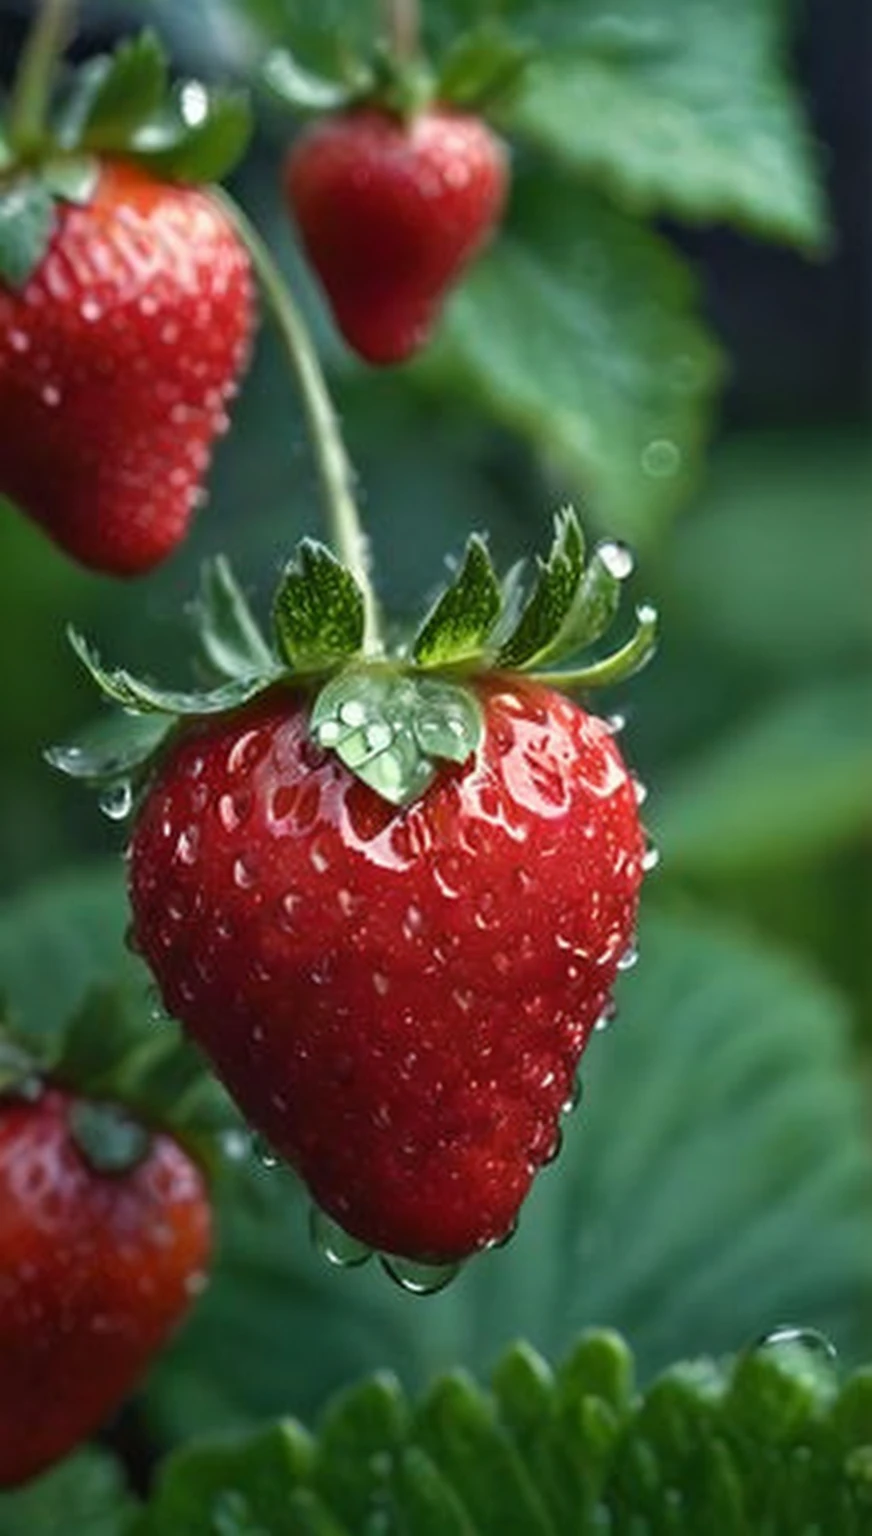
(391, 730)
(115, 746)
(484, 68)
(319, 612)
(200, 135)
(229, 634)
(571, 604)
(457, 627)
(27, 223)
(123, 91)
(143, 698)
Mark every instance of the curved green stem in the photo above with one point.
(334, 469)
(31, 93)
(631, 658)
(402, 24)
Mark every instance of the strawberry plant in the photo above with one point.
(313, 1103)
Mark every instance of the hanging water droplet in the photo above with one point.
(661, 458)
(503, 1241)
(614, 724)
(419, 1279)
(334, 1244)
(650, 859)
(116, 800)
(131, 942)
(640, 791)
(811, 1339)
(156, 1011)
(629, 958)
(617, 558)
(571, 1103)
(264, 1153)
(610, 1012)
(555, 1149)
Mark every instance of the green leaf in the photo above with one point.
(761, 1444)
(301, 89)
(690, 1235)
(136, 694)
(229, 635)
(27, 223)
(85, 1494)
(579, 330)
(199, 137)
(113, 747)
(794, 781)
(234, 1487)
(681, 108)
(319, 613)
(125, 92)
(458, 625)
(392, 730)
(72, 178)
(110, 1139)
(484, 69)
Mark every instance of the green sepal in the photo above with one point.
(27, 223)
(622, 664)
(144, 698)
(484, 69)
(116, 746)
(392, 729)
(110, 1140)
(459, 624)
(290, 83)
(229, 635)
(71, 178)
(318, 612)
(199, 136)
(120, 92)
(571, 604)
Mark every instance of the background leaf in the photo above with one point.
(86, 1494)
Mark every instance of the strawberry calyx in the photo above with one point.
(392, 715)
(480, 72)
(128, 1080)
(118, 106)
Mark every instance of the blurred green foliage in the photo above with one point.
(718, 1176)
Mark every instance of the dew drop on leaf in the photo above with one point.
(116, 800)
(810, 1339)
(650, 859)
(617, 559)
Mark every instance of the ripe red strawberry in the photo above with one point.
(96, 1269)
(397, 998)
(117, 360)
(391, 213)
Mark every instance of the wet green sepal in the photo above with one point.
(301, 89)
(484, 68)
(114, 95)
(116, 746)
(232, 644)
(457, 627)
(319, 614)
(200, 135)
(393, 729)
(109, 1138)
(27, 223)
(616, 668)
(142, 697)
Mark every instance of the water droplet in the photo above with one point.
(91, 310)
(236, 1145)
(51, 395)
(615, 724)
(194, 103)
(116, 800)
(378, 736)
(811, 1339)
(650, 859)
(629, 958)
(640, 791)
(264, 1153)
(571, 1104)
(329, 732)
(504, 1240)
(352, 713)
(610, 1012)
(661, 458)
(555, 1149)
(419, 1279)
(334, 1244)
(617, 558)
(19, 341)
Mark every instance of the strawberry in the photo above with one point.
(125, 301)
(398, 997)
(391, 213)
(96, 1269)
(117, 359)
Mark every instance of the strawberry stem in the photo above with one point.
(31, 92)
(402, 25)
(334, 469)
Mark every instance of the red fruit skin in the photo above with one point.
(390, 215)
(117, 361)
(398, 999)
(95, 1272)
